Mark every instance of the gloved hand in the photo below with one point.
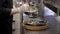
(20, 9)
(23, 8)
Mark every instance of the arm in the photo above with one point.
(5, 11)
(10, 11)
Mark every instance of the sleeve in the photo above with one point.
(5, 11)
(5, 7)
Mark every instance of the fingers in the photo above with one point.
(22, 8)
(25, 7)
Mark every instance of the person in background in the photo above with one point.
(6, 15)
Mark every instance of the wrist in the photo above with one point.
(14, 11)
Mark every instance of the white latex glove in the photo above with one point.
(25, 7)
(20, 9)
